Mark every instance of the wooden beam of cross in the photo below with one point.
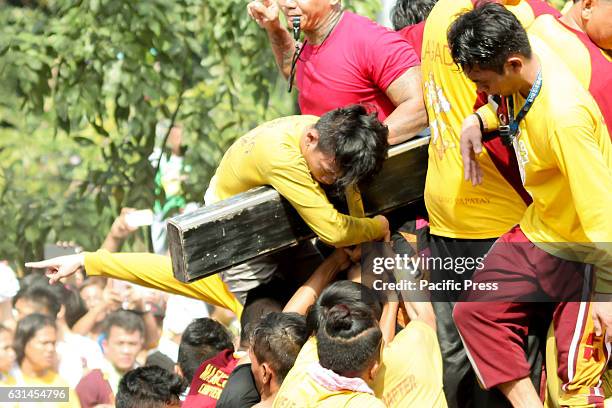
(260, 221)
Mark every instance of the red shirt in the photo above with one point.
(355, 64)
(209, 380)
(414, 35)
(600, 85)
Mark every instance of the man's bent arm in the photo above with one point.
(409, 116)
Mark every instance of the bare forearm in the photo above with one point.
(308, 293)
(388, 320)
(406, 121)
(151, 337)
(283, 48)
(85, 324)
(112, 243)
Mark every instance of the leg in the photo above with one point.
(521, 393)
(582, 357)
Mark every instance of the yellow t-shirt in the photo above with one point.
(270, 155)
(405, 379)
(456, 208)
(155, 271)
(565, 155)
(51, 379)
(300, 390)
(411, 371)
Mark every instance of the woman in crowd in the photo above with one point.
(34, 344)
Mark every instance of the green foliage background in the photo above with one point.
(84, 83)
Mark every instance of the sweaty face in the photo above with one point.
(311, 12)
(599, 26)
(322, 166)
(122, 347)
(491, 82)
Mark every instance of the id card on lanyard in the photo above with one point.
(510, 132)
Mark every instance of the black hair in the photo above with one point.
(124, 319)
(409, 12)
(42, 296)
(485, 37)
(357, 141)
(254, 309)
(349, 339)
(149, 387)
(202, 339)
(27, 329)
(342, 292)
(277, 340)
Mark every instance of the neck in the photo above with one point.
(530, 74)
(268, 395)
(30, 370)
(573, 18)
(320, 33)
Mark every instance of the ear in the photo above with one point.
(104, 345)
(587, 9)
(178, 371)
(373, 371)
(312, 137)
(267, 374)
(62, 313)
(514, 64)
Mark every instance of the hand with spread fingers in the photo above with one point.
(59, 267)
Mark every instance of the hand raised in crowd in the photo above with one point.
(59, 267)
(471, 147)
(120, 228)
(265, 13)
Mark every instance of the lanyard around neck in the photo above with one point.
(533, 93)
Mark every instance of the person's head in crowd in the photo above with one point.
(492, 48)
(342, 292)
(258, 304)
(92, 291)
(34, 344)
(7, 353)
(276, 341)
(312, 14)
(203, 339)
(346, 146)
(150, 387)
(38, 297)
(73, 306)
(349, 341)
(594, 17)
(124, 333)
(409, 12)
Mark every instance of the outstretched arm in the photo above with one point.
(153, 271)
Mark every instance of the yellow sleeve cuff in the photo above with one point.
(489, 117)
